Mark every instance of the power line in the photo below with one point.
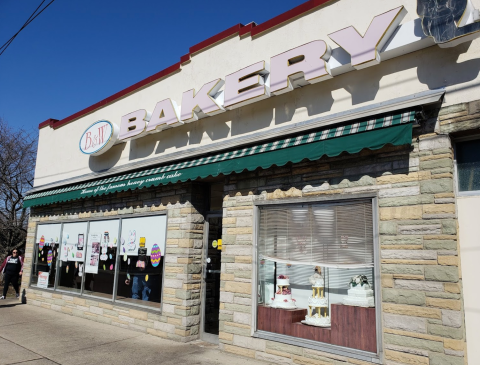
(24, 25)
(30, 19)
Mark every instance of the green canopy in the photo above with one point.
(373, 134)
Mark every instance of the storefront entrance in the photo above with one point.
(212, 259)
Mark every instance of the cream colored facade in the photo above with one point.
(469, 232)
(432, 68)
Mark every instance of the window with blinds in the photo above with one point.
(335, 235)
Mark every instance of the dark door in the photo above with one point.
(211, 277)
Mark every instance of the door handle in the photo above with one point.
(214, 271)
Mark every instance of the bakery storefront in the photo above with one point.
(288, 190)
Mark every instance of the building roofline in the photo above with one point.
(241, 30)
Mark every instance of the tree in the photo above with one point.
(17, 164)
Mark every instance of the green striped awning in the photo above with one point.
(394, 129)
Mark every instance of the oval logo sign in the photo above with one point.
(98, 138)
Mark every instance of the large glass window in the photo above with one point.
(316, 273)
(45, 255)
(98, 256)
(468, 165)
(72, 256)
(141, 263)
(101, 258)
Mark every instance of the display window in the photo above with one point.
(101, 258)
(47, 242)
(316, 273)
(467, 156)
(72, 256)
(119, 260)
(141, 260)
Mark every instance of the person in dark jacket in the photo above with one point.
(11, 271)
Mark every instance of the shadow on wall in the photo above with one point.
(252, 118)
(106, 160)
(453, 72)
(364, 85)
(317, 99)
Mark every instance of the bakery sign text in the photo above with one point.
(309, 62)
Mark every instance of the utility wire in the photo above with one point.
(24, 25)
(30, 19)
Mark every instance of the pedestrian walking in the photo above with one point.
(12, 269)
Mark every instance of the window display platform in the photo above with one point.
(279, 320)
(352, 326)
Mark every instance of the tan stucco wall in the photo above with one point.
(469, 235)
(455, 68)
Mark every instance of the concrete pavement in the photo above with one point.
(36, 336)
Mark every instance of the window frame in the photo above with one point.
(35, 256)
(321, 346)
(456, 141)
(115, 284)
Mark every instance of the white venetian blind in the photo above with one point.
(321, 234)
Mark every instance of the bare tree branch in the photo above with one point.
(17, 164)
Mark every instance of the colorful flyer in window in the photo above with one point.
(64, 253)
(73, 254)
(42, 279)
(93, 250)
(80, 242)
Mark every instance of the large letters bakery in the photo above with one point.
(298, 191)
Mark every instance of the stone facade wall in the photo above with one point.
(422, 308)
(180, 317)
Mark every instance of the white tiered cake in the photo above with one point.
(283, 296)
(360, 294)
(317, 303)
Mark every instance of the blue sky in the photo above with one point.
(78, 52)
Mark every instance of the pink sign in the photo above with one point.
(365, 50)
(43, 279)
(164, 116)
(309, 60)
(246, 86)
(202, 100)
(133, 124)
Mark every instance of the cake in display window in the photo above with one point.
(283, 296)
(360, 293)
(317, 303)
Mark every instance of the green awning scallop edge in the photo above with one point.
(330, 142)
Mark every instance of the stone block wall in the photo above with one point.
(421, 288)
(183, 204)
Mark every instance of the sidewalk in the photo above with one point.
(37, 336)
